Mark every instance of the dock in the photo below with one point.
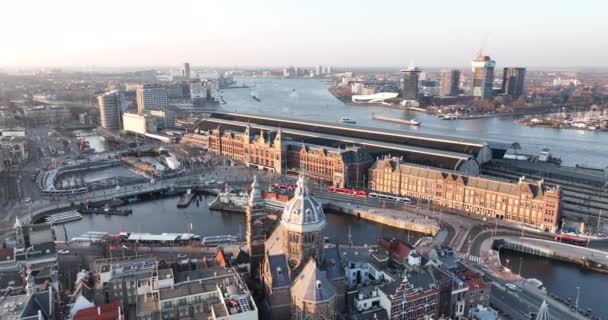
(410, 122)
(185, 199)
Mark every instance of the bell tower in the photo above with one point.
(256, 236)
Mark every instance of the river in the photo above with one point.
(310, 99)
(562, 278)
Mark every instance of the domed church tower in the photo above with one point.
(303, 223)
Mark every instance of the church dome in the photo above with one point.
(303, 213)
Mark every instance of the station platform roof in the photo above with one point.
(441, 158)
(431, 141)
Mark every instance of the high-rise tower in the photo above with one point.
(483, 76)
(186, 70)
(410, 83)
(450, 80)
(513, 81)
(151, 97)
(110, 109)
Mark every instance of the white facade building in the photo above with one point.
(139, 123)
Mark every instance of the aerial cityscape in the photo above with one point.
(305, 161)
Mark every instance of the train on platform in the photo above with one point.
(389, 197)
(570, 240)
(352, 192)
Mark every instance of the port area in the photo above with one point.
(558, 122)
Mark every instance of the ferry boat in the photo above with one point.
(217, 240)
(450, 116)
(347, 120)
(64, 217)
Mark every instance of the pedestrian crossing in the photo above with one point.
(465, 257)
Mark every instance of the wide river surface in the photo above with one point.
(310, 99)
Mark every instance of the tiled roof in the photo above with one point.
(312, 285)
(109, 311)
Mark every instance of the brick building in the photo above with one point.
(269, 150)
(530, 203)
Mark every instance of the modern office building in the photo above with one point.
(151, 97)
(483, 76)
(410, 83)
(139, 123)
(110, 110)
(529, 203)
(449, 83)
(186, 70)
(164, 119)
(46, 114)
(513, 80)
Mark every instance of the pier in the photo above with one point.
(185, 199)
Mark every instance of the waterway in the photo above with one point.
(562, 278)
(162, 215)
(310, 99)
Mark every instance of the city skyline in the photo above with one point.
(272, 34)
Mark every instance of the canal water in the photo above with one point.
(162, 215)
(562, 278)
(310, 99)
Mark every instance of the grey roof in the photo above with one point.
(312, 285)
(303, 212)
(350, 140)
(38, 301)
(420, 278)
(359, 128)
(332, 263)
(279, 270)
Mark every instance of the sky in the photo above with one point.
(275, 33)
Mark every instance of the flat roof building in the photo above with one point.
(151, 97)
(449, 83)
(139, 123)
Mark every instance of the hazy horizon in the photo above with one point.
(352, 34)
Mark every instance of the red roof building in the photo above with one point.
(110, 311)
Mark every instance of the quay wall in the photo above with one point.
(404, 223)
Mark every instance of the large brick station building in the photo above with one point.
(270, 150)
(529, 203)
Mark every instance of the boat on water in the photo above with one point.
(217, 240)
(63, 217)
(411, 122)
(347, 121)
(449, 116)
